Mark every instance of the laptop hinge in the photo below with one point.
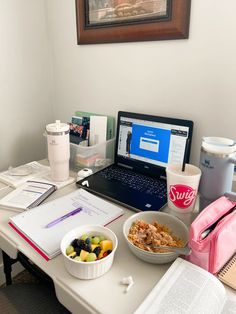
(125, 166)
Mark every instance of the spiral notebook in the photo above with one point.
(31, 225)
(228, 273)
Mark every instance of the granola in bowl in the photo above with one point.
(146, 235)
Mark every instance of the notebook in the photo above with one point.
(145, 144)
(32, 225)
(228, 273)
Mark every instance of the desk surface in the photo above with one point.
(101, 295)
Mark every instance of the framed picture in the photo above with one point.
(110, 21)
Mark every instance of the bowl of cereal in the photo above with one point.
(145, 231)
(88, 251)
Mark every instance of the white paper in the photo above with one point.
(97, 130)
(36, 168)
(229, 307)
(59, 184)
(33, 223)
(185, 288)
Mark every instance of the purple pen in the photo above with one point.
(56, 221)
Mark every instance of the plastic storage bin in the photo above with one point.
(91, 156)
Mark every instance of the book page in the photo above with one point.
(185, 288)
(229, 307)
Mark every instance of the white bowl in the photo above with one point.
(88, 270)
(178, 228)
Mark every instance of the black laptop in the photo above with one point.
(145, 144)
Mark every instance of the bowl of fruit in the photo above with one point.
(88, 251)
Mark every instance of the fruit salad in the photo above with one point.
(89, 248)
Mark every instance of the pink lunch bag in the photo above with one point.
(212, 236)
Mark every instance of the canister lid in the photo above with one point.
(57, 127)
(219, 145)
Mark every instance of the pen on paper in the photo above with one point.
(56, 221)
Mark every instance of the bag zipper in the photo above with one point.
(220, 226)
(208, 229)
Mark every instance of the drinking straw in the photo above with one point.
(185, 155)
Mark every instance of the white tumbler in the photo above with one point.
(58, 150)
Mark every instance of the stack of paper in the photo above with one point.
(15, 177)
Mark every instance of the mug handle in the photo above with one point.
(231, 195)
(232, 160)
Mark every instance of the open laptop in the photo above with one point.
(145, 144)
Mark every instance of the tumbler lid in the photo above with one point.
(57, 127)
(218, 145)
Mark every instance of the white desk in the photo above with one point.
(101, 295)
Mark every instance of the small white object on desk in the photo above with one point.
(84, 173)
(127, 281)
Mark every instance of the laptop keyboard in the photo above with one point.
(135, 181)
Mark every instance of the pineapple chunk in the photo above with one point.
(83, 255)
(72, 254)
(101, 254)
(93, 246)
(106, 245)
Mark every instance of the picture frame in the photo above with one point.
(113, 21)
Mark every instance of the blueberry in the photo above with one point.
(77, 250)
(74, 243)
(81, 244)
(97, 250)
(88, 248)
(88, 241)
(109, 251)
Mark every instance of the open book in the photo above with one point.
(187, 288)
(32, 225)
(28, 195)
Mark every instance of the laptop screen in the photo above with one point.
(152, 140)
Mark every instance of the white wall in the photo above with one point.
(25, 81)
(193, 78)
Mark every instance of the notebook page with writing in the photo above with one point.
(228, 273)
(31, 225)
